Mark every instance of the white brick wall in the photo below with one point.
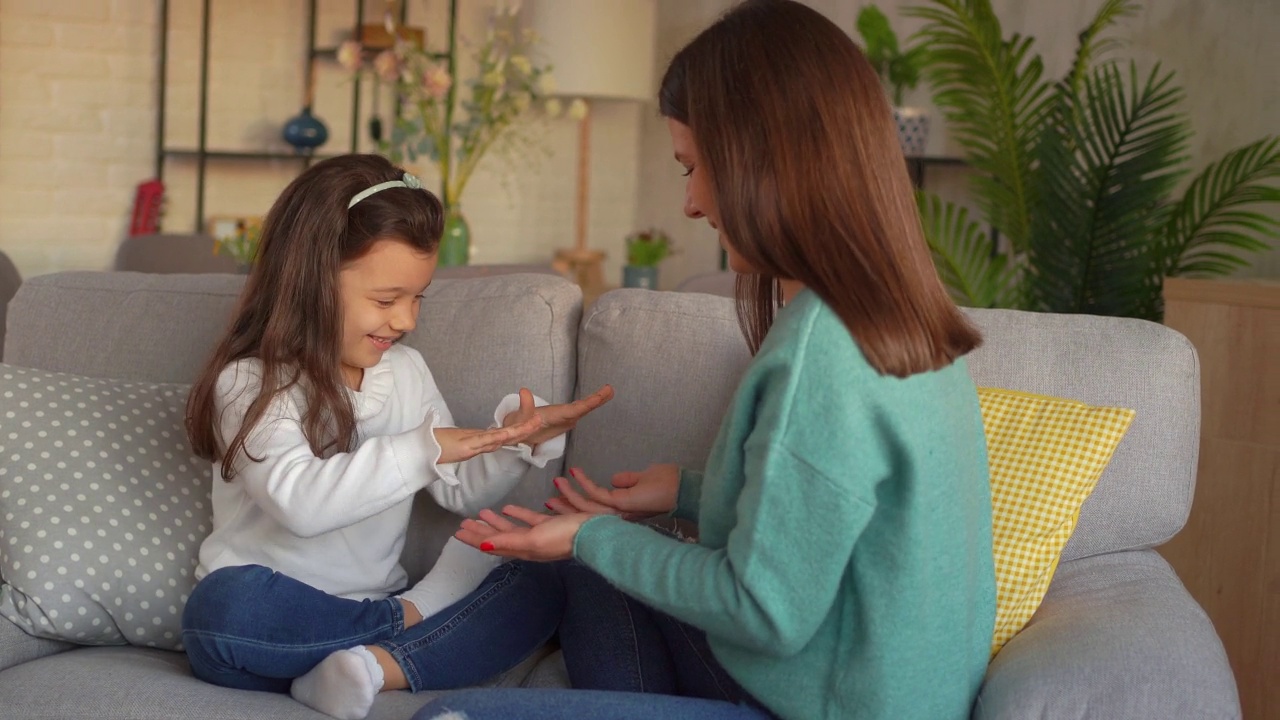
(77, 129)
(76, 118)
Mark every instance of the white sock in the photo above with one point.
(342, 685)
(460, 569)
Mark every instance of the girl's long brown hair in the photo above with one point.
(796, 133)
(289, 315)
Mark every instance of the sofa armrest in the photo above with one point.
(17, 647)
(1117, 636)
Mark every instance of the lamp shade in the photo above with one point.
(599, 49)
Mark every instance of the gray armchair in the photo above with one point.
(166, 253)
(10, 279)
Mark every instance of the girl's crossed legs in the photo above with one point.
(250, 628)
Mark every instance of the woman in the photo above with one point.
(844, 563)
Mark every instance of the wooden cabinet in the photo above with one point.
(1229, 553)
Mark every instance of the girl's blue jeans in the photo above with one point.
(251, 628)
(625, 660)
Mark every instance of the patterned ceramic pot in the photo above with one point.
(913, 130)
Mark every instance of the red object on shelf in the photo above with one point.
(146, 208)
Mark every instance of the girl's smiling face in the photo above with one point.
(380, 293)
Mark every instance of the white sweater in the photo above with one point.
(339, 523)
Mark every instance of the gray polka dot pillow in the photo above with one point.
(102, 508)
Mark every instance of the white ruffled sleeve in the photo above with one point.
(547, 451)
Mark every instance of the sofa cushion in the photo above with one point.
(1118, 636)
(144, 684)
(103, 508)
(17, 647)
(1045, 455)
(674, 360)
(127, 325)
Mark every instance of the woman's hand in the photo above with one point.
(543, 538)
(458, 444)
(557, 419)
(635, 495)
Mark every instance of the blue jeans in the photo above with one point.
(625, 659)
(250, 628)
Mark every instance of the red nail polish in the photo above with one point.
(549, 506)
(486, 546)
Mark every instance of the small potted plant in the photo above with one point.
(241, 244)
(900, 70)
(644, 251)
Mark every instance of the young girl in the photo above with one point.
(321, 429)
(844, 566)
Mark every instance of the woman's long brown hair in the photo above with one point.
(796, 133)
(289, 315)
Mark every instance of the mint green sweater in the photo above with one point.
(844, 565)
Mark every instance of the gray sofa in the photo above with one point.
(1117, 636)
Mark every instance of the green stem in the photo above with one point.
(446, 149)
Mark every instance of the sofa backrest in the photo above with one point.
(675, 358)
(1144, 496)
(482, 338)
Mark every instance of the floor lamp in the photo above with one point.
(598, 51)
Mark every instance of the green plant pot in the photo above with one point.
(455, 245)
(640, 276)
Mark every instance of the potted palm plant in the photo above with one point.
(899, 70)
(1077, 175)
(644, 251)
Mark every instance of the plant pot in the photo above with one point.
(913, 130)
(455, 244)
(640, 276)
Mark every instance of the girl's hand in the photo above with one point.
(635, 496)
(458, 444)
(542, 538)
(557, 419)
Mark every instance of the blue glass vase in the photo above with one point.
(305, 132)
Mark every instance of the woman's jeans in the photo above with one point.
(250, 628)
(625, 660)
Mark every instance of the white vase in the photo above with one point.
(913, 130)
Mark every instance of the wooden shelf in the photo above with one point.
(192, 154)
(331, 53)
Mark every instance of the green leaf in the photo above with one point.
(1208, 230)
(973, 273)
(1092, 45)
(877, 33)
(994, 99)
(1107, 161)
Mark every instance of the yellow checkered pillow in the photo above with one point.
(1046, 455)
